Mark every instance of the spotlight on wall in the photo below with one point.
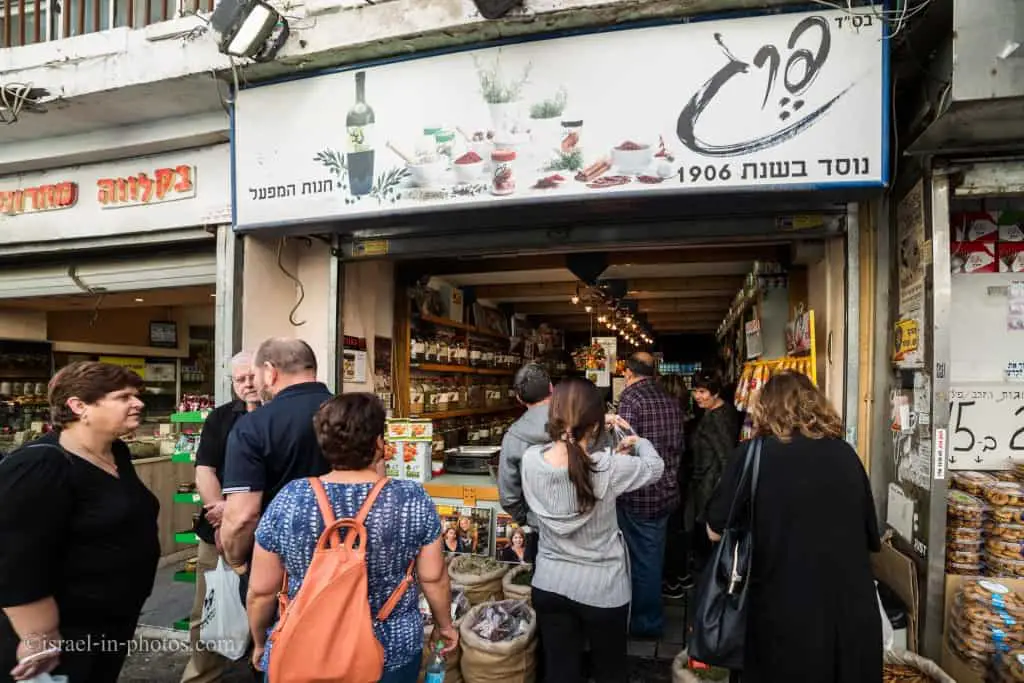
(495, 9)
(249, 28)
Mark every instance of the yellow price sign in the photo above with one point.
(136, 365)
(906, 340)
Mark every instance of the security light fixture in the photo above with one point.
(495, 9)
(249, 28)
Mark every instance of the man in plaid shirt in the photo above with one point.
(643, 514)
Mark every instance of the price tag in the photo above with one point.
(196, 499)
(469, 496)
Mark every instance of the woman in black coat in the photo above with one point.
(814, 613)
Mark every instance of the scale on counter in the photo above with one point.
(472, 460)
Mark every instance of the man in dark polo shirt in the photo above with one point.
(272, 446)
(204, 665)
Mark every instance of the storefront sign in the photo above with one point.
(165, 185)
(34, 199)
(136, 365)
(906, 339)
(986, 426)
(758, 103)
(152, 194)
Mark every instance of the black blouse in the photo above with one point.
(70, 530)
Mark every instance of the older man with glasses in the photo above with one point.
(205, 665)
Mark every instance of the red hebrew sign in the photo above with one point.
(36, 199)
(166, 184)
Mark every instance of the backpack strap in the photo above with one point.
(388, 607)
(371, 498)
(326, 510)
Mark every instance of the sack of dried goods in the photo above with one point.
(480, 577)
(907, 667)
(460, 606)
(499, 643)
(517, 583)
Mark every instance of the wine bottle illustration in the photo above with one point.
(359, 157)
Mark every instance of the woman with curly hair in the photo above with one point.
(402, 525)
(813, 611)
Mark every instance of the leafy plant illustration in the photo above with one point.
(493, 86)
(334, 162)
(551, 108)
(567, 161)
(386, 187)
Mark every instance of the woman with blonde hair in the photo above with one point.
(813, 611)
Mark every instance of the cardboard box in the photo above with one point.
(415, 460)
(398, 429)
(898, 571)
(952, 663)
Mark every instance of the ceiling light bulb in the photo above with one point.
(588, 308)
(575, 299)
(629, 318)
(139, 299)
(613, 328)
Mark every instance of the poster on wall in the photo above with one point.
(511, 543)
(465, 530)
(382, 370)
(910, 219)
(986, 426)
(355, 360)
(793, 99)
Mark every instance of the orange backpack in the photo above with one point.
(326, 633)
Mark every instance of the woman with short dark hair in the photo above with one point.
(812, 590)
(402, 526)
(78, 530)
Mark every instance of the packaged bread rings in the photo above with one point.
(1006, 532)
(993, 595)
(1006, 475)
(965, 568)
(1008, 515)
(967, 509)
(975, 612)
(965, 534)
(1018, 469)
(987, 632)
(1012, 664)
(1005, 493)
(1004, 568)
(1010, 550)
(963, 557)
(973, 483)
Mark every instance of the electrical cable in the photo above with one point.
(298, 285)
(12, 98)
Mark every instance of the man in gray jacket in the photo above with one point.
(533, 389)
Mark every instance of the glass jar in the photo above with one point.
(441, 403)
(475, 357)
(487, 358)
(416, 402)
(429, 396)
(443, 351)
(503, 178)
(571, 132)
(445, 144)
(431, 350)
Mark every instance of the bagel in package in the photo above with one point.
(1004, 531)
(973, 624)
(965, 568)
(1007, 550)
(1005, 475)
(973, 483)
(993, 595)
(1001, 567)
(966, 509)
(964, 554)
(976, 613)
(1008, 514)
(1005, 494)
(966, 534)
(1009, 667)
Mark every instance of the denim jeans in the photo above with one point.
(406, 674)
(645, 539)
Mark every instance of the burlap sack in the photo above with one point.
(681, 674)
(512, 661)
(930, 671)
(513, 591)
(478, 587)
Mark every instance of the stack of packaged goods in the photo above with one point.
(967, 519)
(1004, 542)
(986, 628)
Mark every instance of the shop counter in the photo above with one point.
(161, 475)
(465, 488)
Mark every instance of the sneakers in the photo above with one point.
(673, 590)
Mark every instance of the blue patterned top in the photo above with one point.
(402, 521)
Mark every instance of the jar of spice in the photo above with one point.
(446, 145)
(431, 352)
(571, 131)
(443, 353)
(503, 179)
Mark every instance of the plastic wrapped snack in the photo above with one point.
(1009, 667)
(1005, 475)
(1005, 494)
(1008, 514)
(965, 568)
(1007, 550)
(966, 534)
(966, 509)
(976, 613)
(964, 553)
(1004, 531)
(973, 483)
(989, 629)
(1004, 568)
(993, 595)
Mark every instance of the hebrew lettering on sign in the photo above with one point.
(143, 188)
(35, 199)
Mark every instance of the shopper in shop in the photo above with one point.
(402, 526)
(271, 446)
(714, 440)
(676, 577)
(813, 611)
(581, 587)
(532, 385)
(204, 665)
(644, 513)
(79, 534)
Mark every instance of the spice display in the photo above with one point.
(505, 620)
(479, 575)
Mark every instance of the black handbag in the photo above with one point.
(720, 615)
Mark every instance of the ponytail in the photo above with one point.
(581, 467)
(577, 411)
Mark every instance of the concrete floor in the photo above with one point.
(163, 660)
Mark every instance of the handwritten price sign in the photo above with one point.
(986, 426)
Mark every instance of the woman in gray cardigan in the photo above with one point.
(581, 587)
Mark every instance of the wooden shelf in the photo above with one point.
(460, 369)
(445, 322)
(464, 412)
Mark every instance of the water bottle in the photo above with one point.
(435, 670)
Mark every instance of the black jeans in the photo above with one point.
(567, 626)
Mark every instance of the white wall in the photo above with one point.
(980, 343)
(826, 287)
(18, 324)
(269, 295)
(369, 309)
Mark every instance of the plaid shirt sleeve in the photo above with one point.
(657, 417)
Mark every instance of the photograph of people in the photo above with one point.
(468, 534)
(453, 543)
(515, 551)
(466, 529)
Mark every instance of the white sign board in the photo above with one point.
(986, 426)
(787, 100)
(190, 188)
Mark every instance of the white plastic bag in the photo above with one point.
(47, 678)
(225, 625)
(888, 635)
